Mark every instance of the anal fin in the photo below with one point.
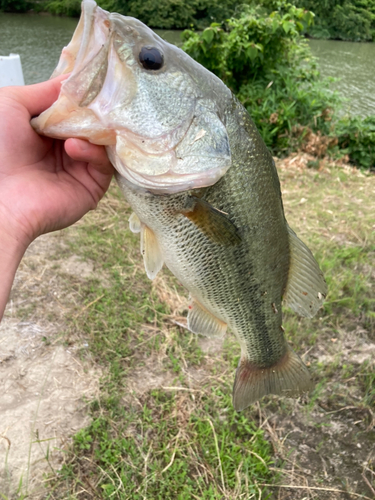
(306, 288)
(288, 377)
(201, 321)
(152, 257)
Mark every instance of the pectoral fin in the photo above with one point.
(288, 377)
(215, 224)
(152, 257)
(306, 288)
(134, 223)
(201, 321)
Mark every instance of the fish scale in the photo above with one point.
(203, 187)
(230, 281)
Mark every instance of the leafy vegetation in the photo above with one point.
(344, 20)
(264, 59)
(14, 5)
(176, 441)
(164, 14)
(169, 14)
(356, 137)
(63, 7)
(163, 425)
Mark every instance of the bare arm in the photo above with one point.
(45, 184)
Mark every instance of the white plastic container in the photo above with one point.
(11, 70)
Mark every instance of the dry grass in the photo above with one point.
(163, 424)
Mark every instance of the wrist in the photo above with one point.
(12, 249)
(12, 246)
(13, 236)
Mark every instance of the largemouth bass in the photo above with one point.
(203, 187)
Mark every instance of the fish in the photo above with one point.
(203, 188)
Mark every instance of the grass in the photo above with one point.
(174, 444)
(163, 426)
(181, 440)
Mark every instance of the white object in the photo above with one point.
(11, 70)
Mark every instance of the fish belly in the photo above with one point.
(241, 285)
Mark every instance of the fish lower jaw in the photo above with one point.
(166, 183)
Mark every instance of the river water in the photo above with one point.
(39, 40)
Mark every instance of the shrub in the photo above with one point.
(345, 20)
(356, 137)
(175, 14)
(64, 7)
(264, 59)
(14, 5)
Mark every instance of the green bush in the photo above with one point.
(356, 137)
(14, 5)
(345, 20)
(264, 59)
(176, 14)
(165, 14)
(70, 8)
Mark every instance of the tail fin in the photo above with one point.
(288, 377)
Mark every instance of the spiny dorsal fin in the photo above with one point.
(134, 223)
(288, 377)
(201, 321)
(306, 288)
(152, 257)
(212, 222)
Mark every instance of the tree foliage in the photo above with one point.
(176, 14)
(344, 20)
(14, 5)
(356, 137)
(264, 59)
(70, 8)
(167, 14)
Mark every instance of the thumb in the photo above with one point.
(38, 97)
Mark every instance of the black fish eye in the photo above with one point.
(151, 58)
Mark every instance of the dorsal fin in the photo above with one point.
(201, 321)
(306, 288)
(152, 257)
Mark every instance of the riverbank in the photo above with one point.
(119, 400)
(353, 21)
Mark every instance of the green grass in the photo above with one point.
(179, 437)
(171, 446)
(155, 443)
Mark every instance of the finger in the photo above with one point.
(80, 150)
(37, 98)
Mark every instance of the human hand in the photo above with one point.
(45, 184)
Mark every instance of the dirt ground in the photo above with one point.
(43, 384)
(45, 387)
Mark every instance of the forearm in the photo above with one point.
(11, 253)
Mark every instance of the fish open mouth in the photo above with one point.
(129, 90)
(86, 58)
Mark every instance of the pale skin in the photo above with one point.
(45, 184)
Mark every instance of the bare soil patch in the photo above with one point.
(44, 385)
(324, 445)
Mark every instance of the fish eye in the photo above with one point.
(151, 58)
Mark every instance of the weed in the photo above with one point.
(176, 435)
(173, 443)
